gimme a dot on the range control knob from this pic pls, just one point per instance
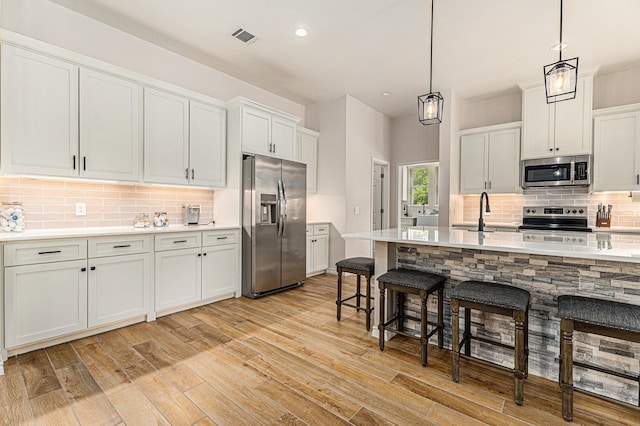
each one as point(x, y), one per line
point(574, 211)
point(580, 211)
point(528, 210)
point(533, 211)
point(568, 211)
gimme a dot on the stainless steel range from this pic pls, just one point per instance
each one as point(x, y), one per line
point(555, 218)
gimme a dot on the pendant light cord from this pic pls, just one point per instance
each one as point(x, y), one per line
point(560, 47)
point(431, 49)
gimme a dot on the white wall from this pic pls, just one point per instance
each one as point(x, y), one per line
point(410, 142)
point(367, 138)
point(614, 89)
point(486, 112)
point(450, 160)
point(54, 24)
point(329, 203)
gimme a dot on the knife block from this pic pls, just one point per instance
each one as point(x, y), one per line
point(603, 223)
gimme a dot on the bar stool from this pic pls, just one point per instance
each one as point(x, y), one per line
point(498, 299)
point(597, 316)
point(406, 281)
point(361, 266)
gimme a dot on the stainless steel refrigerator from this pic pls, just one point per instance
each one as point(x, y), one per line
point(274, 221)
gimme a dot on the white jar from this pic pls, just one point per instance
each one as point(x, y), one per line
point(12, 216)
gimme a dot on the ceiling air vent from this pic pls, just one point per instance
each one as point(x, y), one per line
point(244, 36)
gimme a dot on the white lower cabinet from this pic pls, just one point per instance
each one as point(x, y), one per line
point(317, 248)
point(44, 301)
point(178, 277)
point(119, 288)
point(207, 268)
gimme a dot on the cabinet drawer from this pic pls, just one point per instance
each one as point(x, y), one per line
point(113, 246)
point(309, 230)
point(44, 252)
point(321, 229)
point(178, 241)
point(216, 238)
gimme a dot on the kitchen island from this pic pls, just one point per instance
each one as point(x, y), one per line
point(547, 265)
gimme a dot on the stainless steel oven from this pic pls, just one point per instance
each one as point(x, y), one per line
point(557, 171)
point(554, 218)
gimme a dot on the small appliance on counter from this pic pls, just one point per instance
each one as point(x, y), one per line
point(191, 214)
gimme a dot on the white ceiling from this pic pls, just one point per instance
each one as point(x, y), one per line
point(365, 47)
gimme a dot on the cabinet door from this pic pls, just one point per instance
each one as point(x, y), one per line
point(110, 127)
point(283, 138)
point(256, 131)
point(307, 154)
point(44, 301)
point(119, 288)
point(220, 271)
point(573, 121)
point(309, 255)
point(178, 277)
point(166, 137)
point(473, 163)
point(321, 252)
point(616, 148)
point(207, 145)
point(537, 124)
point(39, 114)
point(504, 161)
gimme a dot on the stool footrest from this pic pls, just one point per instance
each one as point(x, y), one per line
point(493, 342)
point(594, 367)
point(359, 308)
point(487, 363)
point(606, 398)
point(353, 297)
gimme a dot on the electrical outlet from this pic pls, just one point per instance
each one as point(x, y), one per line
point(81, 209)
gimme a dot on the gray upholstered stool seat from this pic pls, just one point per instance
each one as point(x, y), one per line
point(361, 266)
point(412, 282)
point(598, 316)
point(498, 299)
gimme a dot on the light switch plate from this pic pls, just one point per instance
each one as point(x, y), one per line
point(356, 210)
point(81, 209)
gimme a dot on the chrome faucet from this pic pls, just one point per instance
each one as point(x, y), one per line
point(488, 210)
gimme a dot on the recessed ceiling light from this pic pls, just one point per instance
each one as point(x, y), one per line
point(301, 32)
point(385, 93)
point(559, 46)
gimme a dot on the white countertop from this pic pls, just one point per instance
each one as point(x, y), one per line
point(41, 234)
point(614, 247)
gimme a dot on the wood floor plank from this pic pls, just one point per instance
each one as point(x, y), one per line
point(88, 402)
point(365, 417)
point(218, 407)
point(14, 402)
point(62, 355)
point(240, 350)
point(104, 370)
point(130, 361)
point(179, 373)
point(171, 344)
point(220, 364)
point(53, 409)
point(172, 403)
point(299, 405)
point(448, 416)
point(38, 374)
point(133, 335)
point(135, 408)
point(288, 420)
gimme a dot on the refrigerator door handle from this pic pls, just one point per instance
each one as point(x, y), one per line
point(279, 204)
point(284, 204)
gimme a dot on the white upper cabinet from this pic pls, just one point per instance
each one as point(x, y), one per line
point(616, 151)
point(110, 127)
point(166, 137)
point(184, 141)
point(557, 129)
point(39, 114)
point(207, 145)
point(308, 154)
point(490, 160)
point(262, 130)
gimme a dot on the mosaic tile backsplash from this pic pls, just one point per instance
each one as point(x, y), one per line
point(52, 203)
point(545, 277)
point(507, 209)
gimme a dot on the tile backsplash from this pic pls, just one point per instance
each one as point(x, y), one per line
point(52, 203)
point(507, 209)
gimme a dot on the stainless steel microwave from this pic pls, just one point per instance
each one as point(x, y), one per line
point(557, 171)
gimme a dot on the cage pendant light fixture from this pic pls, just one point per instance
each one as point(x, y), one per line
point(561, 78)
point(430, 105)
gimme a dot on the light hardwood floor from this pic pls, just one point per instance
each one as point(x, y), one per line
point(282, 359)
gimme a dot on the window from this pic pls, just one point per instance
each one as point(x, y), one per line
point(419, 185)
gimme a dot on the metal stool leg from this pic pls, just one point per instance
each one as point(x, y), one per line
point(358, 292)
point(423, 327)
point(339, 299)
point(519, 357)
point(368, 320)
point(381, 322)
point(466, 338)
point(441, 318)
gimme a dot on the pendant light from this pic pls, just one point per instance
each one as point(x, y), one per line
point(430, 105)
point(561, 78)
